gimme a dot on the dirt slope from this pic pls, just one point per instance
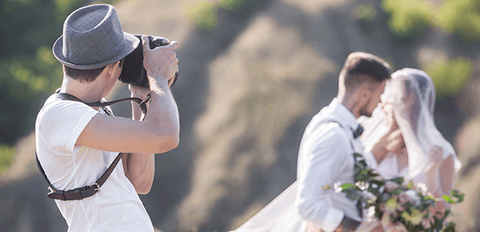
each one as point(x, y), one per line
point(247, 89)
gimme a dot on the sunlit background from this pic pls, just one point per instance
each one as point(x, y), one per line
point(252, 74)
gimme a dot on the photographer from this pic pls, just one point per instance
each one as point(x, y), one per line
point(76, 143)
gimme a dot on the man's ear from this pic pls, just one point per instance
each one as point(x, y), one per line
point(110, 69)
point(365, 93)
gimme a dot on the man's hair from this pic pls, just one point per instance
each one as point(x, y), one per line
point(86, 75)
point(360, 67)
point(83, 75)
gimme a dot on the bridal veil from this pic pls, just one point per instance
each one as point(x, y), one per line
point(412, 95)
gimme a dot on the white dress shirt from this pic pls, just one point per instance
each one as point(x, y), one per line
point(326, 158)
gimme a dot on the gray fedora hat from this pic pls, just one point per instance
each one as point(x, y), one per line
point(93, 37)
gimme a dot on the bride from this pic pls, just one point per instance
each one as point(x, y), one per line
point(421, 154)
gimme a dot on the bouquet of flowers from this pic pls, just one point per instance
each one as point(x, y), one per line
point(399, 205)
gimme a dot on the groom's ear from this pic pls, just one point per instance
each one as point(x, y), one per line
point(365, 93)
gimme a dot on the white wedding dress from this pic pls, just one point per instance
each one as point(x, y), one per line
point(432, 160)
point(279, 215)
point(412, 95)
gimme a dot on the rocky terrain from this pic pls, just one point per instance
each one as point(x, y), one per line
point(247, 89)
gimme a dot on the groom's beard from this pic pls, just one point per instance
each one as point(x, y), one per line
point(364, 111)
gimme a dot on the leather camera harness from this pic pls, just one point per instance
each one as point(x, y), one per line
point(88, 190)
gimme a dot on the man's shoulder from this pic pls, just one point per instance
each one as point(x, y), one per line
point(328, 131)
point(327, 139)
point(325, 123)
point(57, 110)
point(56, 104)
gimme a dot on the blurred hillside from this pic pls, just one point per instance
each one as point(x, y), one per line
point(252, 74)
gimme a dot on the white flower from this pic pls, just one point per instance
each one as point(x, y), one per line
point(362, 185)
point(422, 188)
point(336, 187)
point(409, 196)
point(381, 189)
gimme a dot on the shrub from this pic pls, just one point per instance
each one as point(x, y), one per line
point(449, 77)
point(232, 5)
point(238, 6)
point(204, 14)
point(408, 18)
point(6, 157)
point(461, 17)
point(365, 13)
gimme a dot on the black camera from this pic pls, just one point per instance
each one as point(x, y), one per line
point(133, 71)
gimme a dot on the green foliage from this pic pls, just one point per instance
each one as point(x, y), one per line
point(204, 14)
point(365, 13)
point(232, 5)
point(397, 202)
point(408, 18)
point(238, 6)
point(449, 77)
point(461, 17)
point(28, 29)
point(6, 157)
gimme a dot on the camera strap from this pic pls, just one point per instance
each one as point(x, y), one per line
point(88, 190)
point(103, 104)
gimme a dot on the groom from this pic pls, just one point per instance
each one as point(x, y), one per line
point(330, 139)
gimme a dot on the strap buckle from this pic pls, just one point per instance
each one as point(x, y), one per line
point(95, 186)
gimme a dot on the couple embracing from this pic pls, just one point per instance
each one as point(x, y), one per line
point(400, 138)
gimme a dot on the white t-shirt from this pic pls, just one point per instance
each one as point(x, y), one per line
point(116, 207)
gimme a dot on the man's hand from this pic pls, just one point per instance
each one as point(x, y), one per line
point(171, 81)
point(138, 91)
point(379, 228)
point(347, 225)
point(157, 133)
point(160, 62)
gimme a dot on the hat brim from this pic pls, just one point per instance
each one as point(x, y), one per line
point(130, 43)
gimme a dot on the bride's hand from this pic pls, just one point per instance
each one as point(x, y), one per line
point(396, 144)
point(391, 141)
point(394, 138)
point(387, 109)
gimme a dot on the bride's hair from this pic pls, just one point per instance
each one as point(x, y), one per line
point(360, 67)
point(419, 94)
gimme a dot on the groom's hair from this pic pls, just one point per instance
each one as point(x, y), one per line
point(361, 67)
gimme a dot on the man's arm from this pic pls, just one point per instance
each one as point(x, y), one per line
point(347, 225)
point(159, 132)
point(139, 167)
point(324, 160)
